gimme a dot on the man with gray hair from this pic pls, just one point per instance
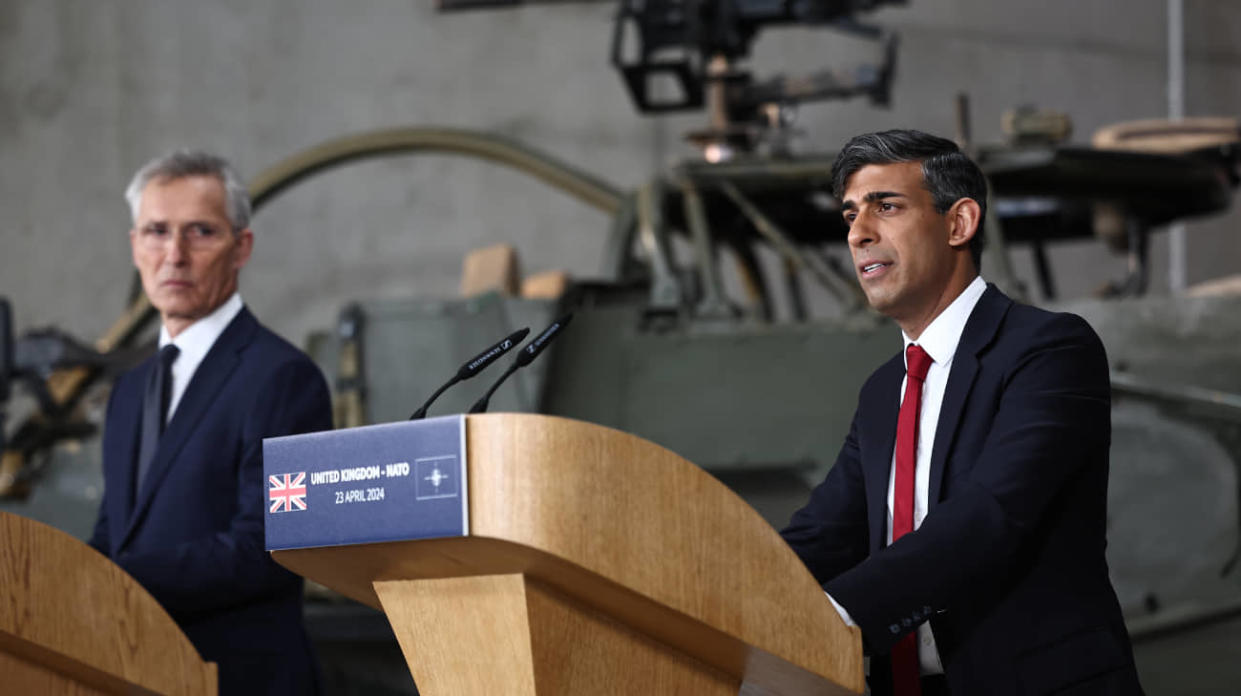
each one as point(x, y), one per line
point(183, 503)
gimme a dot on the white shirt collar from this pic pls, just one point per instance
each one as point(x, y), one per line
point(198, 337)
point(195, 342)
point(941, 336)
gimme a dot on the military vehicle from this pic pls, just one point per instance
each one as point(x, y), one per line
point(725, 325)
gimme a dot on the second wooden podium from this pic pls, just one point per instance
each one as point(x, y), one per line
point(73, 623)
point(595, 563)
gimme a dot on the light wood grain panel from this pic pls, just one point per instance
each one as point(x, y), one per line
point(463, 635)
point(628, 510)
point(70, 610)
point(504, 634)
point(578, 650)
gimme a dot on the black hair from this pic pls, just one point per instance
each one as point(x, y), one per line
point(947, 173)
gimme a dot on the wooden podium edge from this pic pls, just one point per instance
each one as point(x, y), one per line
point(60, 663)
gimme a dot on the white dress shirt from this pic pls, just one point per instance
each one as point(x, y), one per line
point(194, 343)
point(939, 340)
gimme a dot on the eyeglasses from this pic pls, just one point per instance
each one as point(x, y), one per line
point(198, 235)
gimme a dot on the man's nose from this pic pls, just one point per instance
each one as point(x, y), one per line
point(178, 246)
point(861, 233)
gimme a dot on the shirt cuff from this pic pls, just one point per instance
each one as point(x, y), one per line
point(844, 614)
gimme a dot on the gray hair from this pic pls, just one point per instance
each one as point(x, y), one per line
point(947, 173)
point(180, 164)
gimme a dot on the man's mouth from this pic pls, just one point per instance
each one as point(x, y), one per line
point(873, 268)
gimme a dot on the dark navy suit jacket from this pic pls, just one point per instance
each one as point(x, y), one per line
point(193, 535)
point(1008, 565)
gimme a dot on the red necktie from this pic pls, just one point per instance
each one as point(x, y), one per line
point(905, 653)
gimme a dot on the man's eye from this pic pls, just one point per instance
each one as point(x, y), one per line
point(886, 207)
point(202, 231)
point(155, 230)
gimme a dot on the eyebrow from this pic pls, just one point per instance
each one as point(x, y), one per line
point(871, 198)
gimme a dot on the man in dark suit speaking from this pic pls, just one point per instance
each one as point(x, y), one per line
point(962, 527)
point(184, 494)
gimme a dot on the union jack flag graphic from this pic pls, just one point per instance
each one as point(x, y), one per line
point(288, 492)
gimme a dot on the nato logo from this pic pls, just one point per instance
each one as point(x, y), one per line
point(437, 477)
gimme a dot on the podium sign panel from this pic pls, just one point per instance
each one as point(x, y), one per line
point(390, 482)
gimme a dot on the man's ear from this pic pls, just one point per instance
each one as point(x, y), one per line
point(964, 217)
point(245, 245)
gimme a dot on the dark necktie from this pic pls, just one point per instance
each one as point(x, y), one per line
point(154, 410)
point(905, 678)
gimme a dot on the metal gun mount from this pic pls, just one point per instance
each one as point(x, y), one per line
point(696, 45)
point(680, 55)
point(32, 359)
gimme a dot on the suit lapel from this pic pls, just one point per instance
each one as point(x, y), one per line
point(204, 386)
point(883, 407)
point(980, 329)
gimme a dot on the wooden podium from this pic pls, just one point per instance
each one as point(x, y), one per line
point(597, 563)
point(73, 622)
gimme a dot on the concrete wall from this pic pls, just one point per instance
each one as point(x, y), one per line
point(90, 89)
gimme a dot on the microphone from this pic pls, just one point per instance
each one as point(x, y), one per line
point(525, 357)
point(474, 366)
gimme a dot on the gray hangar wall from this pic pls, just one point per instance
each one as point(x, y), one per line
point(90, 89)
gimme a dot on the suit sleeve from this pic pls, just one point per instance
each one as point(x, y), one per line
point(829, 533)
point(100, 540)
point(233, 567)
point(1051, 424)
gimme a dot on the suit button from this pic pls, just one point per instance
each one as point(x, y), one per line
point(894, 628)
